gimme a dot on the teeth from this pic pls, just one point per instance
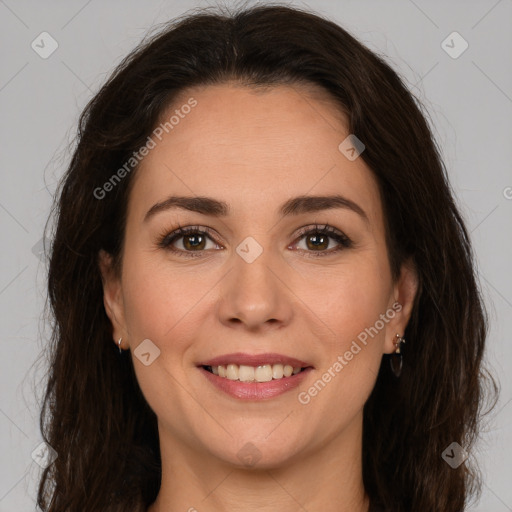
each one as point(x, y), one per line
point(263, 373)
point(245, 373)
point(232, 372)
point(277, 371)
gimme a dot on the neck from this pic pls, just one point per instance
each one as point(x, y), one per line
point(329, 478)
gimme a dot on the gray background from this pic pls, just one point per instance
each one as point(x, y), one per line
point(469, 100)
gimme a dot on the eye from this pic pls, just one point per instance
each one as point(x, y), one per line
point(192, 239)
point(317, 239)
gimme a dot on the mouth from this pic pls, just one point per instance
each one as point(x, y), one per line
point(254, 367)
point(255, 376)
point(260, 373)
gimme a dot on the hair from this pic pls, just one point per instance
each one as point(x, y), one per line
point(94, 414)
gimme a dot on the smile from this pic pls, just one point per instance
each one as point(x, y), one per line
point(260, 373)
point(254, 376)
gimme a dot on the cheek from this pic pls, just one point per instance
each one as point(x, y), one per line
point(351, 298)
point(160, 306)
point(353, 306)
point(157, 301)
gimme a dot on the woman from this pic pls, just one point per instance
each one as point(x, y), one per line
point(264, 294)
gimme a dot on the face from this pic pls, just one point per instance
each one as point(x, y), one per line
point(311, 283)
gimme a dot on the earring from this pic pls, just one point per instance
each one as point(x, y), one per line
point(396, 360)
point(119, 343)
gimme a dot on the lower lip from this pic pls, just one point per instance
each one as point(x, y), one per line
point(256, 390)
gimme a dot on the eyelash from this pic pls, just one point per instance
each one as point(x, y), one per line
point(166, 239)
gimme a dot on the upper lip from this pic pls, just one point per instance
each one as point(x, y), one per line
point(254, 360)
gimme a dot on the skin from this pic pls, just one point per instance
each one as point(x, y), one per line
point(235, 146)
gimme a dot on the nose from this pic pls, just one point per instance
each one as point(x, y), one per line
point(255, 296)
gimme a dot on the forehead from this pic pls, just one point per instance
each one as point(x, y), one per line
point(253, 148)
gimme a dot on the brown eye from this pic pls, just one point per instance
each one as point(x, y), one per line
point(317, 241)
point(195, 241)
point(187, 241)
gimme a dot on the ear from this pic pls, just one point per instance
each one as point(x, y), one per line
point(404, 294)
point(112, 295)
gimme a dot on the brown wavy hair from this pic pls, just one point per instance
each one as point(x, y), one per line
point(93, 412)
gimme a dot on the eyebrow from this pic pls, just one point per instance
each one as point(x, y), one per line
point(294, 206)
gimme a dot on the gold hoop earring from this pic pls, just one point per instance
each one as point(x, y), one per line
point(396, 360)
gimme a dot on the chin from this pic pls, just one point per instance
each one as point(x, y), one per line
point(259, 455)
